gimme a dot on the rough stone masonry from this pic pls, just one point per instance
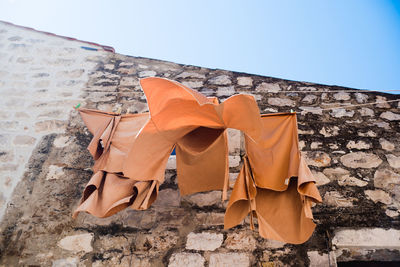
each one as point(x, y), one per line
point(44, 165)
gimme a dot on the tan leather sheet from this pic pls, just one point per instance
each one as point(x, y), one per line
point(131, 152)
point(275, 184)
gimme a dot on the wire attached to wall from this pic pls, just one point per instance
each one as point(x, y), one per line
point(351, 105)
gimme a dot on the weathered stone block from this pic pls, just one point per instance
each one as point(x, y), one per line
point(388, 115)
point(378, 196)
point(394, 161)
point(229, 260)
point(281, 102)
point(386, 145)
point(360, 160)
point(386, 179)
point(317, 158)
point(318, 259)
point(334, 198)
point(243, 240)
point(220, 80)
point(268, 87)
point(373, 238)
point(184, 259)
point(204, 241)
point(244, 81)
point(205, 199)
point(358, 145)
point(77, 243)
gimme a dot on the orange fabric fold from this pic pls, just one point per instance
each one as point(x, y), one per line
point(277, 178)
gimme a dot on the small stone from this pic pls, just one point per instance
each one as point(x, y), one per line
point(342, 96)
point(147, 73)
point(171, 163)
point(109, 66)
point(244, 81)
point(386, 145)
point(386, 179)
point(388, 115)
point(392, 213)
point(185, 259)
point(220, 80)
point(318, 259)
point(309, 99)
point(360, 160)
point(382, 124)
point(341, 112)
point(348, 180)
point(393, 160)
point(302, 145)
point(328, 132)
point(55, 172)
point(241, 241)
point(378, 196)
point(300, 131)
point(225, 91)
point(320, 178)
point(204, 241)
point(191, 84)
point(61, 141)
point(359, 145)
point(366, 112)
point(129, 81)
point(367, 134)
point(68, 262)
point(315, 145)
point(382, 102)
point(313, 110)
point(194, 75)
point(333, 146)
point(234, 161)
point(317, 158)
point(205, 199)
point(268, 88)
point(229, 260)
point(306, 88)
point(361, 98)
point(77, 243)
point(275, 101)
point(24, 140)
point(334, 198)
point(269, 243)
point(109, 242)
point(233, 140)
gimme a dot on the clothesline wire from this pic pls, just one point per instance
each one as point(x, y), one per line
point(335, 91)
point(352, 105)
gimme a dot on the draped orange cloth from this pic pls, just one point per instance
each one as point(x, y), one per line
point(275, 184)
point(131, 152)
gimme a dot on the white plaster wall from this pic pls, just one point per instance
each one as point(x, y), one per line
point(41, 78)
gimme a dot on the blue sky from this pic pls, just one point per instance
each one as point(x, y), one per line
point(354, 43)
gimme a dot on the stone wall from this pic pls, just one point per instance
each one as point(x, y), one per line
point(353, 152)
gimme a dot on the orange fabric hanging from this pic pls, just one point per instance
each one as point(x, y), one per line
point(275, 184)
point(131, 152)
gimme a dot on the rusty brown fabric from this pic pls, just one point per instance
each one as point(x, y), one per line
point(131, 152)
